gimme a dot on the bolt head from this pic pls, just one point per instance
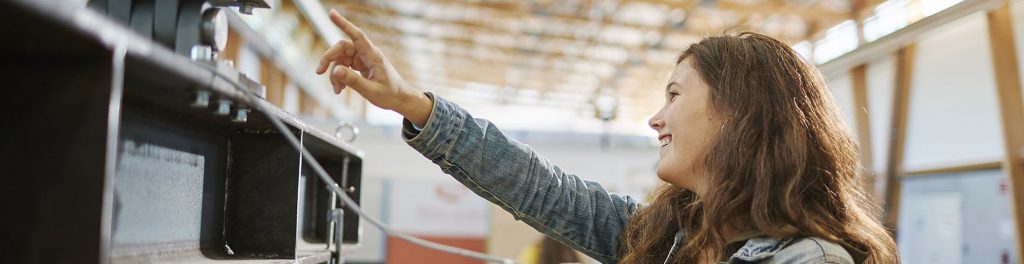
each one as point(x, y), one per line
point(201, 99)
point(245, 8)
point(223, 107)
point(241, 115)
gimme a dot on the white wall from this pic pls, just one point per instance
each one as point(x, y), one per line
point(953, 114)
point(953, 117)
point(842, 90)
point(880, 89)
point(880, 84)
point(881, 81)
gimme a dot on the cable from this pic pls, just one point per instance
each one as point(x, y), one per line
point(117, 62)
point(333, 186)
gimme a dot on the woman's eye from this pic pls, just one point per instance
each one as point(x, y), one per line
point(672, 95)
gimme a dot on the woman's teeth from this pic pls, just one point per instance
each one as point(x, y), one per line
point(666, 140)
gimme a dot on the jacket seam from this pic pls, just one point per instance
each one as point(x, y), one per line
point(454, 138)
point(824, 255)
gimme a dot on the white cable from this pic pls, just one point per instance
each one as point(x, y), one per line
point(120, 53)
point(351, 205)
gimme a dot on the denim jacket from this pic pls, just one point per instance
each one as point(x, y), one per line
point(579, 213)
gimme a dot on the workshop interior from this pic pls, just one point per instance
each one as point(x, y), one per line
point(197, 131)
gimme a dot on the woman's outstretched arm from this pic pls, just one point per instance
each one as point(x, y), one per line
point(579, 213)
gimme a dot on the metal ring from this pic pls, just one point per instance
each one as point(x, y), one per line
point(351, 127)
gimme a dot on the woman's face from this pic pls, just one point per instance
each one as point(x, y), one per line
point(684, 127)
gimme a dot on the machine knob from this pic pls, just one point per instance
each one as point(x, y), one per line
point(214, 29)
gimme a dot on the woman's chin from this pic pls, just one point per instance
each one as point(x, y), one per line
point(675, 179)
point(663, 175)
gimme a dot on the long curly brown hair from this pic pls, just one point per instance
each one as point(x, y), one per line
point(783, 164)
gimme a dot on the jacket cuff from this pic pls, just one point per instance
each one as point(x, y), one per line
point(436, 138)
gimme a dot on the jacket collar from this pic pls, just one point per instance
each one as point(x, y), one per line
point(752, 247)
point(756, 248)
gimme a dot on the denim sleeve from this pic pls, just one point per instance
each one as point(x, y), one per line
point(581, 214)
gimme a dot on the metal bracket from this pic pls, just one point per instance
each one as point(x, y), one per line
point(244, 6)
point(337, 219)
point(344, 175)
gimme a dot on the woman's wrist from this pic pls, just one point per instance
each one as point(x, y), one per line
point(417, 108)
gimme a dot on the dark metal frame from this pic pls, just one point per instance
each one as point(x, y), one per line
point(59, 63)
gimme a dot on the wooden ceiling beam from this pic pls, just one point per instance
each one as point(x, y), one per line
point(690, 8)
point(370, 23)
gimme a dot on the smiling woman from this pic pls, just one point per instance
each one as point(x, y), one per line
point(764, 154)
point(686, 106)
point(757, 163)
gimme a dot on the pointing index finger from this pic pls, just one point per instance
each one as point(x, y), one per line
point(353, 32)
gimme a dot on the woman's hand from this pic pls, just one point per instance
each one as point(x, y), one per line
point(361, 65)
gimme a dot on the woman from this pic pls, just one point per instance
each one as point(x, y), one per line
point(757, 163)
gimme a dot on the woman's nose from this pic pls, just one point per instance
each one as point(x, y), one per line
point(656, 122)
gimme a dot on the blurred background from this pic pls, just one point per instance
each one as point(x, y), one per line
point(577, 80)
point(929, 88)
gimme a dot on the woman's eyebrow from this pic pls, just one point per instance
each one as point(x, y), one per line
point(669, 85)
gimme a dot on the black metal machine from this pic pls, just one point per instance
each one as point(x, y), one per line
point(131, 142)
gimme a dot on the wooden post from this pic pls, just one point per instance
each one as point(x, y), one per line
point(274, 80)
point(863, 123)
point(307, 105)
point(235, 42)
point(1011, 109)
point(898, 134)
